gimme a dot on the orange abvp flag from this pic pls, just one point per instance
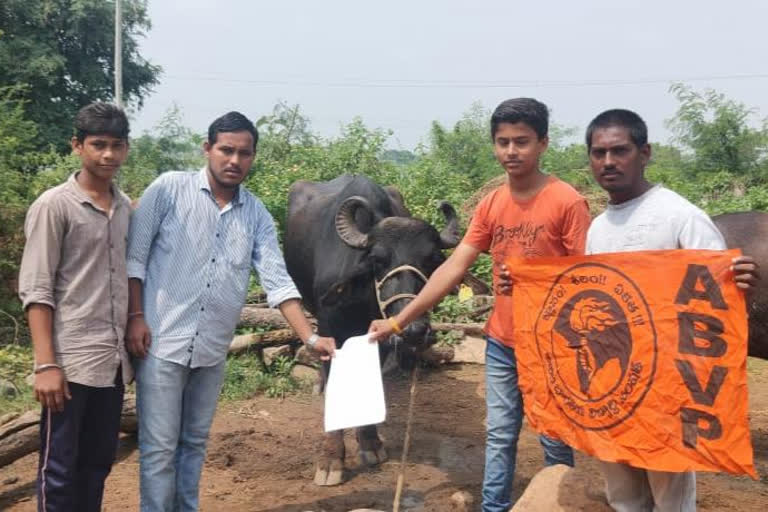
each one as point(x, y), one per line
point(636, 357)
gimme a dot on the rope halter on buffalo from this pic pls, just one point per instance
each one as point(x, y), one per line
point(383, 305)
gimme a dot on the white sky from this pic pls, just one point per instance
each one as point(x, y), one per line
point(402, 64)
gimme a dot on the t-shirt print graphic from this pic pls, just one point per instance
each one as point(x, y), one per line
point(521, 237)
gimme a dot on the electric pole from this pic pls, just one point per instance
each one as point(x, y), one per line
point(118, 53)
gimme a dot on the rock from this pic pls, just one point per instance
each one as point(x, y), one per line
point(462, 501)
point(10, 480)
point(307, 357)
point(8, 389)
point(470, 350)
point(301, 372)
point(272, 353)
point(544, 491)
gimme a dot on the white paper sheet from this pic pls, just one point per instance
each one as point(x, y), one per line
point(354, 394)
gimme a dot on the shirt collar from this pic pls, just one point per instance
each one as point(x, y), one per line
point(204, 184)
point(76, 189)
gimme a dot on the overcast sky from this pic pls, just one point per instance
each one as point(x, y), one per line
point(401, 64)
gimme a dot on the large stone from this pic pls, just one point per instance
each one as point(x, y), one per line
point(7, 389)
point(301, 372)
point(545, 490)
point(469, 350)
point(272, 353)
point(307, 357)
point(462, 501)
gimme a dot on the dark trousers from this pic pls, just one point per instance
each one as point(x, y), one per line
point(77, 449)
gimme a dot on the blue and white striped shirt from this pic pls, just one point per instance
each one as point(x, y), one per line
point(194, 260)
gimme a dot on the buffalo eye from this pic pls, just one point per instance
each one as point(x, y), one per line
point(379, 255)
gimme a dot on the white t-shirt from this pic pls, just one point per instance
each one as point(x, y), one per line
point(659, 219)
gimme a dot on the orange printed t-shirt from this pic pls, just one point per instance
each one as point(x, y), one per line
point(552, 223)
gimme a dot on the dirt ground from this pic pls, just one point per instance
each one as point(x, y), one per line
point(261, 454)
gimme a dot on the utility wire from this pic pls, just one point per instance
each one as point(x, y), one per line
point(458, 84)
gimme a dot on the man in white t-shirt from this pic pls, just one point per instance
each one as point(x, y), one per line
point(642, 216)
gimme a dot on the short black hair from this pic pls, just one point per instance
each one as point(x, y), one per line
point(522, 110)
point(100, 118)
point(638, 131)
point(232, 122)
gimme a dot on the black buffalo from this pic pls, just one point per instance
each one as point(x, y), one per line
point(356, 254)
point(748, 231)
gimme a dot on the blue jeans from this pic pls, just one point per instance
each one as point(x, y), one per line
point(175, 405)
point(505, 417)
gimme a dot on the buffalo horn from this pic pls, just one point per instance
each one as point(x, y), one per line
point(346, 226)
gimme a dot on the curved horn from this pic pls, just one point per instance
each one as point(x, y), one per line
point(449, 236)
point(346, 226)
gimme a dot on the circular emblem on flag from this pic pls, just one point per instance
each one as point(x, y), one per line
point(596, 337)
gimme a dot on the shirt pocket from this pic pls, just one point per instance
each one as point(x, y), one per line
point(238, 248)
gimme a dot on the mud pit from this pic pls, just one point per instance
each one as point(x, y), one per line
point(261, 457)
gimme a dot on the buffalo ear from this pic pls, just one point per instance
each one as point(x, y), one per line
point(449, 236)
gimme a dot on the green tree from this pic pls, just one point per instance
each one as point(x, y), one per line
point(170, 146)
point(467, 147)
point(63, 50)
point(718, 133)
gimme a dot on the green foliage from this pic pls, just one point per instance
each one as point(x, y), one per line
point(66, 51)
point(246, 376)
point(449, 338)
point(170, 146)
point(15, 364)
point(483, 268)
point(718, 133)
point(451, 310)
point(466, 149)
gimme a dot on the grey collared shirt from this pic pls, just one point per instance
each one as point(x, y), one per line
point(74, 262)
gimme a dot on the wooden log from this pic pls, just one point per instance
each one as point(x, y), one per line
point(256, 316)
point(270, 338)
point(21, 436)
point(470, 329)
point(129, 420)
point(252, 316)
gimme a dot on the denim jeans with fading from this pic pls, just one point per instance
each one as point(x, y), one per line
point(175, 405)
point(504, 404)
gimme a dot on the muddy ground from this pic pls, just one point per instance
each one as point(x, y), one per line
point(262, 450)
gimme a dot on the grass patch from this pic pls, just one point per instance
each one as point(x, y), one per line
point(451, 310)
point(247, 376)
point(449, 338)
point(16, 362)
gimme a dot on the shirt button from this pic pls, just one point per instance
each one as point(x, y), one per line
point(217, 235)
point(213, 260)
point(202, 308)
point(208, 285)
point(197, 332)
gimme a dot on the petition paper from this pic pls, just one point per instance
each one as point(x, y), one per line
point(354, 395)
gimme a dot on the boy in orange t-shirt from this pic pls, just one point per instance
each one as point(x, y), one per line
point(532, 215)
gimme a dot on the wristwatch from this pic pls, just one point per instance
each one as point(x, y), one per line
point(312, 340)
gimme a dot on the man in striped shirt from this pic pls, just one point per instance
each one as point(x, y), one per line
point(192, 242)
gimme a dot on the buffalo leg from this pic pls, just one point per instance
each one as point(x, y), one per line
point(370, 449)
point(330, 466)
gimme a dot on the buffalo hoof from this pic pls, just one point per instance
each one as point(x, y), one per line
point(372, 458)
point(329, 474)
